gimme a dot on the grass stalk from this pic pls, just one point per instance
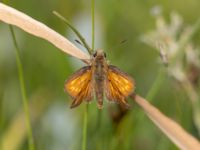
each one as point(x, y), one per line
point(85, 123)
point(84, 133)
point(153, 90)
point(93, 24)
point(23, 91)
point(156, 85)
point(90, 51)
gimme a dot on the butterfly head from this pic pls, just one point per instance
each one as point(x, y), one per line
point(99, 54)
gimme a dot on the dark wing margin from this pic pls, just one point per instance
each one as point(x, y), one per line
point(79, 86)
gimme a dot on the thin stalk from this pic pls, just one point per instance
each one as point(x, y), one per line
point(23, 91)
point(154, 89)
point(90, 51)
point(93, 23)
point(156, 85)
point(84, 133)
point(93, 41)
point(85, 123)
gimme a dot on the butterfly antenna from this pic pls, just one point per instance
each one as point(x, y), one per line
point(79, 42)
point(83, 41)
point(119, 44)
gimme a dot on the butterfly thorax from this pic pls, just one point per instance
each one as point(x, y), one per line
point(99, 73)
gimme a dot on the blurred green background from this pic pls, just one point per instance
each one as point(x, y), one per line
point(56, 126)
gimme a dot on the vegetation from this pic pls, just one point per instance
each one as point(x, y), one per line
point(161, 52)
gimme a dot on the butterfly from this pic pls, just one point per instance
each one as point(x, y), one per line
point(99, 80)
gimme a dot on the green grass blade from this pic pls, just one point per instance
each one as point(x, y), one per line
point(84, 140)
point(84, 133)
point(23, 91)
point(90, 51)
point(156, 85)
point(93, 23)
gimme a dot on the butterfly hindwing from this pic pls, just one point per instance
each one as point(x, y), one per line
point(79, 86)
point(118, 85)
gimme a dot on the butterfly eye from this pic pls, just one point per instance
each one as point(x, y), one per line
point(95, 54)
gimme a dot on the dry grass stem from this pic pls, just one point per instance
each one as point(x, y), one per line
point(170, 128)
point(14, 17)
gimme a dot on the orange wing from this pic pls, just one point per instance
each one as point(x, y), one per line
point(79, 86)
point(118, 86)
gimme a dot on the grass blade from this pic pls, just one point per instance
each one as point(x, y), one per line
point(170, 128)
point(14, 17)
point(84, 133)
point(84, 141)
point(93, 23)
point(75, 31)
point(23, 91)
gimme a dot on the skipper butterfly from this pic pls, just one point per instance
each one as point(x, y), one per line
point(99, 79)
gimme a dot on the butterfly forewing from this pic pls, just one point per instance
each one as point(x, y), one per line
point(118, 85)
point(79, 86)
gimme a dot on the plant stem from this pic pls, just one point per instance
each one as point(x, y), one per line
point(23, 91)
point(154, 89)
point(90, 51)
point(84, 134)
point(156, 85)
point(84, 140)
point(93, 24)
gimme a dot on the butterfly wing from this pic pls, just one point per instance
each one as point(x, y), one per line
point(119, 86)
point(79, 86)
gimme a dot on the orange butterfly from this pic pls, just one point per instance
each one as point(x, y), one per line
point(97, 79)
